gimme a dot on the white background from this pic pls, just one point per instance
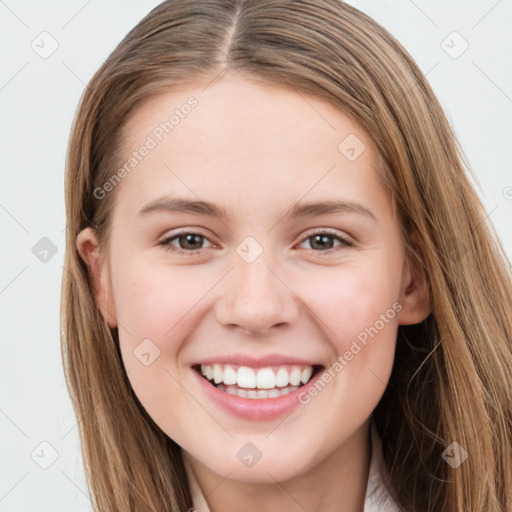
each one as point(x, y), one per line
point(37, 101)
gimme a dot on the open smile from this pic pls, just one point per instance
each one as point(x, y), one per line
point(256, 393)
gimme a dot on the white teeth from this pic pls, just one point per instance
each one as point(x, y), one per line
point(273, 393)
point(282, 378)
point(274, 379)
point(246, 378)
point(305, 375)
point(265, 379)
point(217, 373)
point(295, 377)
point(256, 394)
point(230, 376)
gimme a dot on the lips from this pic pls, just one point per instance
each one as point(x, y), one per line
point(256, 403)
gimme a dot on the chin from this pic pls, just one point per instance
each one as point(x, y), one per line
point(269, 468)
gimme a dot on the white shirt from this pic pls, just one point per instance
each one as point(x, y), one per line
point(376, 500)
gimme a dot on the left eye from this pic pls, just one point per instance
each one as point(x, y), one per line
point(323, 239)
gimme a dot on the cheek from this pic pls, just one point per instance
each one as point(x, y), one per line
point(153, 309)
point(357, 311)
point(353, 299)
point(151, 301)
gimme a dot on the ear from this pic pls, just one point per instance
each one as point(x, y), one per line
point(414, 296)
point(88, 248)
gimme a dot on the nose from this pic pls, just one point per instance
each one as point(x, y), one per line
point(257, 297)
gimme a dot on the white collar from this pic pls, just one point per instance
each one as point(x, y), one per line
point(377, 498)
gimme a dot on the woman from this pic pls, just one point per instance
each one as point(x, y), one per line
point(264, 370)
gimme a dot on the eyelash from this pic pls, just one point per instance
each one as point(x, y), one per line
point(166, 243)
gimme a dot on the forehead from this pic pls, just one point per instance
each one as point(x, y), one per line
point(242, 109)
point(245, 140)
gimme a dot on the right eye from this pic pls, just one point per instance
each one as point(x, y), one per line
point(185, 239)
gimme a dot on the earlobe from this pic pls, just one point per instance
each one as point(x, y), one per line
point(415, 297)
point(88, 247)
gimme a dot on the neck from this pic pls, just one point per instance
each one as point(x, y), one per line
point(337, 482)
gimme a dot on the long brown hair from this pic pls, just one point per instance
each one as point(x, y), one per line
point(452, 376)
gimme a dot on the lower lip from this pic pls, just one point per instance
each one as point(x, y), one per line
point(261, 409)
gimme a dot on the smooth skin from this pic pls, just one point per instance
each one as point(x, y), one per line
point(255, 150)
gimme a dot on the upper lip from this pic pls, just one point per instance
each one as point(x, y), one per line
point(257, 361)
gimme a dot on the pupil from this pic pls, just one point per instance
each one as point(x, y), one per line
point(190, 237)
point(323, 239)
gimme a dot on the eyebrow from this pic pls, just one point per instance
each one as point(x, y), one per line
point(309, 209)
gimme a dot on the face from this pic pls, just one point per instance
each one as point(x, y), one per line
point(292, 309)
